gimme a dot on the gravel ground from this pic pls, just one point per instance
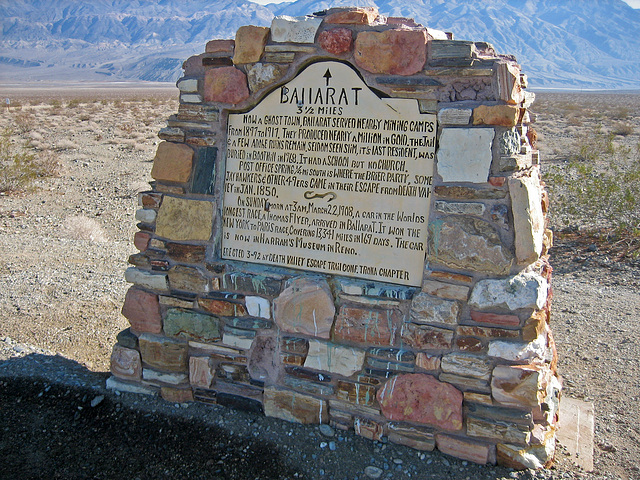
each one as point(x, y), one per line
point(63, 252)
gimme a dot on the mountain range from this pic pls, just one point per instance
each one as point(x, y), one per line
point(568, 44)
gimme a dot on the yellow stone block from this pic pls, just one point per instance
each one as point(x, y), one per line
point(173, 162)
point(183, 219)
point(250, 42)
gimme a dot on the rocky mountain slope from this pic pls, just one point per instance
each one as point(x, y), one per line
point(560, 43)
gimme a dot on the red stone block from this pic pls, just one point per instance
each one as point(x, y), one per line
point(476, 452)
point(396, 52)
point(222, 307)
point(142, 310)
point(225, 85)
point(215, 46)
point(421, 398)
point(497, 181)
point(495, 319)
point(353, 16)
point(141, 240)
point(365, 325)
point(336, 40)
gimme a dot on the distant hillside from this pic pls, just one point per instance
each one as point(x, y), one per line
point(561, 44)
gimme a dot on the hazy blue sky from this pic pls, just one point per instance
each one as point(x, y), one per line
point(633, 3)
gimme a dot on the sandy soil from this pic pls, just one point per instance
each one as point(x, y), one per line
point(64, 247)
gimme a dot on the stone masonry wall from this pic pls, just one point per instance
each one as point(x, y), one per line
point(466, 363)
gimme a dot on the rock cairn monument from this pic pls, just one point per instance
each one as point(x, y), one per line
point(347, 226)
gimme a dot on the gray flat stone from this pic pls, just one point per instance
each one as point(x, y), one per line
point(575, 431)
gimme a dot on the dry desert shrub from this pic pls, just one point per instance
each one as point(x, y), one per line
point(65, 144)
point(20, 166)
point(622, 129)
point(83, 228)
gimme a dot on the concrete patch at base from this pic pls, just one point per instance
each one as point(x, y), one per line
point(576, 431)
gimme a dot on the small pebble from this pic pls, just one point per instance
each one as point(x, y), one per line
point(97, 400)
point(326, 430)
point(373, 472)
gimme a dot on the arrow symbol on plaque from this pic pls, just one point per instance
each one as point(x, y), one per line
point(327, 75)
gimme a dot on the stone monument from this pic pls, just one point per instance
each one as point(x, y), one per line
point(347, 226)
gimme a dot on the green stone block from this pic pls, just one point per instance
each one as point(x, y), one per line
point(191, 325)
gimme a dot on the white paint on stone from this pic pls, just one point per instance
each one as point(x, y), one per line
point(518, 351)
point(295, 29)
point(258, 307)
point(528, 218)
point(525, 290)
point(465, 154)
point(188, 85)
point(454, 116)
point(146, 279)
point(146, 215)
point(325, 356)
point(191, 98)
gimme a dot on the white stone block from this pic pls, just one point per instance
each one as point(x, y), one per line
point(526, 290)
point(191, 98)
point(169, 378)
point(454, 116)
point(146, 279)
point(146, 215)
point(528, 218)
point(295, 29)
point(517, 351)
point(258, 307)
point(465, 154)
point(460, 208)
point(114, 384)
point(188, 85)
point(242, 343)
point(344, 361)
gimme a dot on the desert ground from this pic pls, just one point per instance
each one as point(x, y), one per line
point(64, 244)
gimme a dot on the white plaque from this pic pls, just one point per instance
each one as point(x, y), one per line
point(324, 175)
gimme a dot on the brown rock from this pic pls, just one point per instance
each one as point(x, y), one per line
point(294, 406)
point(468, 244)
point(305, 306)
point(182, 219)
point(187, 279)
point(448, 276)
point(357, 393)
point(126, 363)
point(225, 85)
point(142, 310)
point(173, 162)
point(336, 40)
point(181, 252)
point(355, 16)
point(163, 353)
point(396, 52)
point(263, 362)
point(201, 373)
point(419, 438)
point(483, 332)
point(466, 449)
point(421, 398)
point(534, 326)
point(215, 46)
point(141, 240)
point(428, 362)
point(509, 87)
point(426, 337)
point(149, 200)
point(503, 115)
point(176, 395)
point(495, 319)
point(366, 325)
point(469, 344)
point(222, 307)
point(519, 385)
point(368, 428)
point(249, 44)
